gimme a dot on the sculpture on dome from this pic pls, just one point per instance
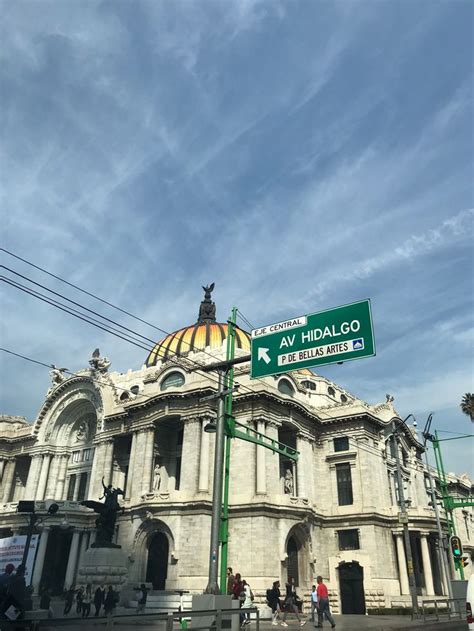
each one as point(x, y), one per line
point(105, 522)
point(98, 363)
point(207, 310)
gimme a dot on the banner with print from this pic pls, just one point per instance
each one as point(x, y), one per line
point(11, 551)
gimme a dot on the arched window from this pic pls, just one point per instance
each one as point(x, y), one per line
point(331, 391)
point(135, 390)
point(173, 380)
point(285, 387)
point(343, 398)
point(309, 385)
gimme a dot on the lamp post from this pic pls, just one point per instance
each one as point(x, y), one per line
point(213, 586)
point(404, 515)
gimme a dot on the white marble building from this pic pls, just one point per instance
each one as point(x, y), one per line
point(143, 431)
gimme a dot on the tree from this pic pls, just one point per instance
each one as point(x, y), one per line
point(467, 405)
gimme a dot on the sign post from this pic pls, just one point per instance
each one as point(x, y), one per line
point(336, 335)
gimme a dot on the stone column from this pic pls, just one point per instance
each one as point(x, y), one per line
point(272, 462)
point(261, 487)
point(60, 482)
point(43, 479)
point(84, 546)
point(302, 468)
point(2, 466)
point(148, 460)
point(425, 556)
point(203, 484)
point(33, 475)
point(131, 466)
point(8, 479)
point(95, 487)
point(402, 565)
point(53, 478)
point(108, 462)
point(39, 562)
point(72, 560)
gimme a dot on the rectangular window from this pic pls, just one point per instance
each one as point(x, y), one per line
point(341, 443)
point(86, 455)
point(344, 484)
point(76, 456)
point(348, 539)
point(70, 488)
point(178, 473)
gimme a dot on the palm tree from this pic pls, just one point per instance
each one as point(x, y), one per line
point(467, 405)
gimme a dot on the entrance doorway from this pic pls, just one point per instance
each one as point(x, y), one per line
point(157, 566)
point(292, 564)
point(351, 581)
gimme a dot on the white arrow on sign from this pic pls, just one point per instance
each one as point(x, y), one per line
point(263, 354)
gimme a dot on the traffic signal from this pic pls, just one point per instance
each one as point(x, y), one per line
point(456, 547)
point(465, 560)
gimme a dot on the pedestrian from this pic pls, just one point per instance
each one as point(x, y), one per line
point(16, 594)
point(247, 602)
point(291, 600)
point(230, 581)
point(142, 594)
point(323, 604)
point(86, 601)
point(314, 602)
point(45, 601)
point(79, 599)
point(237, 589)
point(5, 579)
point(110, 601)
point(68, 600)
point(99, 595)
point(273, 600)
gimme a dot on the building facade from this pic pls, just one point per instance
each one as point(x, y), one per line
point(334, 513)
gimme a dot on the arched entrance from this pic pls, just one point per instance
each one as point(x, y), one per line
point(157, 565)
point(351, 582)
point(292, 564)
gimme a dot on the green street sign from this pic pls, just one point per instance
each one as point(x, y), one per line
point(327, 337)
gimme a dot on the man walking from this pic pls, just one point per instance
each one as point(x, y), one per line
point(291, 603)
point(323, 604)
point(273, 600)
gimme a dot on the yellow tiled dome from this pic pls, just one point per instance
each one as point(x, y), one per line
point(195, 338)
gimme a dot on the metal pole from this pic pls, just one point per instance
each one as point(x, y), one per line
point(441, 538)
point(406, 533)
point(213, 586)
point(444, 491)
point(229, 385)
point(29, 533)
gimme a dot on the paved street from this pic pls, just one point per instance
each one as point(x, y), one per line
point(343, 623)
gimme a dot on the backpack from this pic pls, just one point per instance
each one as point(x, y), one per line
point(269, 595)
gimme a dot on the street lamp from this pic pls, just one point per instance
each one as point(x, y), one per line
point(403, 511)
point(28, 506)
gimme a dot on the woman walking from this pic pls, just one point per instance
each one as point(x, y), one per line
point(247, 603)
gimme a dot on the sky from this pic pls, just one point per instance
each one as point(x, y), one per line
point(301, 155)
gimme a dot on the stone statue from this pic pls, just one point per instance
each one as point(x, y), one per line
point(82, 432)
point(288, 484)
point(57, 375)
point(156, 478)
point(105, 523)
point(98, 363)
point(207, 310)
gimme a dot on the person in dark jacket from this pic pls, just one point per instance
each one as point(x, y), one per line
point(99, 596)
point(110, 601)
point(5, 579)
point(45, 601)
point(142, 594)
point(16, 594)
point(273, 599)
point(291, 603)
point(69, 599)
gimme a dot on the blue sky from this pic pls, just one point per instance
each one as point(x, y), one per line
point(302, 155)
